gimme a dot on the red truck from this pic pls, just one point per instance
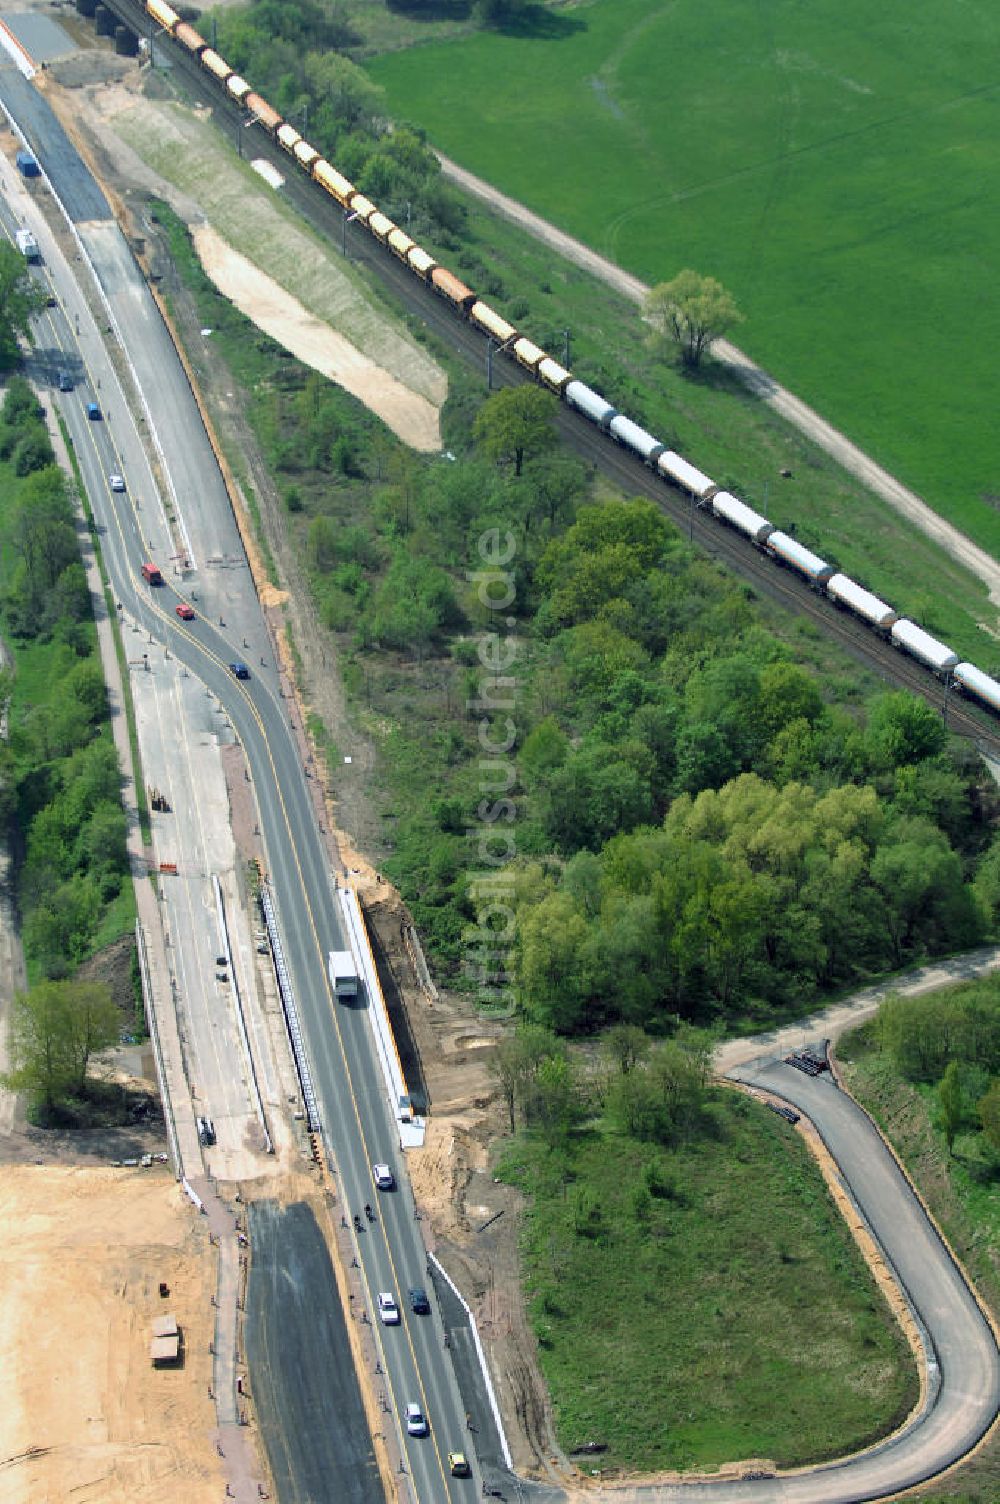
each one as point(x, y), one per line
point(151, 574)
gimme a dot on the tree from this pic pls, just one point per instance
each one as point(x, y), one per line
point(988, 1108)
point(627, 1045)
point(904, 729)
point(518, 421)
point(20, 297)
point(354, 99)
point(516, 1061)
point(55, 1029)
point(691, 311)
point(952, 1104)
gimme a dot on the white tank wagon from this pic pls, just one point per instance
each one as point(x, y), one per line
point(743, 518)
point(847, 593)
point(685, 475)
point(593, 406)
point(797, 557)
point(922, 646)
point(635, 438)
point(972, 681)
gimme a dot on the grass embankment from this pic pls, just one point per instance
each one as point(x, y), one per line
point(716, 1309)
point(824, 162)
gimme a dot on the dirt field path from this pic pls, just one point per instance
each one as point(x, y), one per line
point(830, 1023)
point(791, 408)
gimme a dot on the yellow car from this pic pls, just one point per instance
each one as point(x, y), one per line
point(459, 1464)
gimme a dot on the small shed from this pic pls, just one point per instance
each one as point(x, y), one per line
point(165, 1347)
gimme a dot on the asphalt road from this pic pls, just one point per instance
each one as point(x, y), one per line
point(357, 1126)
point(295, 1333)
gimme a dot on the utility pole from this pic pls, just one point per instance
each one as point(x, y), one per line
point(344, 223)
point(566, 348)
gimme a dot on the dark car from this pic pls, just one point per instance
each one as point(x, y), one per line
point(93, 412)
point(64, 381)
point(418, 1301)
point(240, 670)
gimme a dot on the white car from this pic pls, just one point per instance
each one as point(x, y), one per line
point(416, 1421)
point(116, 482)
point(383, 1177)
point(387, 1309)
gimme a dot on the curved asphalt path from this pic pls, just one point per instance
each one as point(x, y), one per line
point(359, 1128)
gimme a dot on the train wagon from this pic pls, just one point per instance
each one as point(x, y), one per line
point(635, 438)
point(288, 136)
point(362, 208)
point(743, 518)
point(527, 354)
point(305, 154)
point(216, 65)
point(333, 181)
point(162, 13)
point(972, 681)
point(486, 318)
point(593, 406)
point(264, 112)
point(238, 87)
point(686, 475)
point(933, 654)
point(446, 283)
point(792, 553)
point(847, 593)
point(400, 243)
point(189, 38)
point(381, 226)
point(422, 262)
point(553, 374)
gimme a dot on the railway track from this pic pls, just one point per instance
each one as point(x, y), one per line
point(862, 643)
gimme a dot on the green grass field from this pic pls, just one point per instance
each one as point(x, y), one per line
point(726, 1316)
point(832, 163)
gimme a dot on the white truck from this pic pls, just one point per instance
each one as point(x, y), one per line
point(28, 245)
point(343, 975)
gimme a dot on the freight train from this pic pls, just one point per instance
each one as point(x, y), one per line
point(730, 510)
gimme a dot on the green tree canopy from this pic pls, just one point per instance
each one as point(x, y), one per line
point(55, 1030)
point(20, 297)
point(517, 422)
point(690, 311)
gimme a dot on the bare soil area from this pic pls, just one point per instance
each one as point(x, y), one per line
point(85, 1415)
point(280, 274)
point(410, 416)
